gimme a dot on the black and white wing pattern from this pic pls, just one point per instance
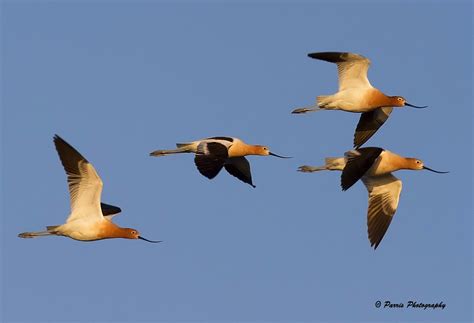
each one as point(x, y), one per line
point(384, 194)
point(85, 186)
point(352, 68)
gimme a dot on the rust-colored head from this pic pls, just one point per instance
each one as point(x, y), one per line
point(261, 150)
point(128, 233)
point(264, 151)
point(416, 164)
point(400, 101)
point(397, 101)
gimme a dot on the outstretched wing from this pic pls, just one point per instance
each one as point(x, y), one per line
point(384, 194)
point(369, 123)
point(85, 186)
point(240, 168)
point(358, 163)
point(210, 158)
point(352, 68)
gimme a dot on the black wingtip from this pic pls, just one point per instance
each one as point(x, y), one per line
point(58, 139)
point(344, 187)
point(316, 55)
point(332, 57)
point(347, 181)
point(108, 209)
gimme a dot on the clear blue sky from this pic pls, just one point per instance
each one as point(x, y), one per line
point(120, 79)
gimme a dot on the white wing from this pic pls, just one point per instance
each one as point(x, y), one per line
point(352, 68)
point(384, 194)
point(85, 186)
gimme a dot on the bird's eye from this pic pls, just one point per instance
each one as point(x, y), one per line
point(417, 161)
point(134, 232)
point(400, 99)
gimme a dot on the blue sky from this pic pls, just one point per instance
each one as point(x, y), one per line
point(120, 79)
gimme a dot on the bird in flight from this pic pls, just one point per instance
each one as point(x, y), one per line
point(356, 94)
point(89, 219)
point(213, 154)
point(374, 166)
